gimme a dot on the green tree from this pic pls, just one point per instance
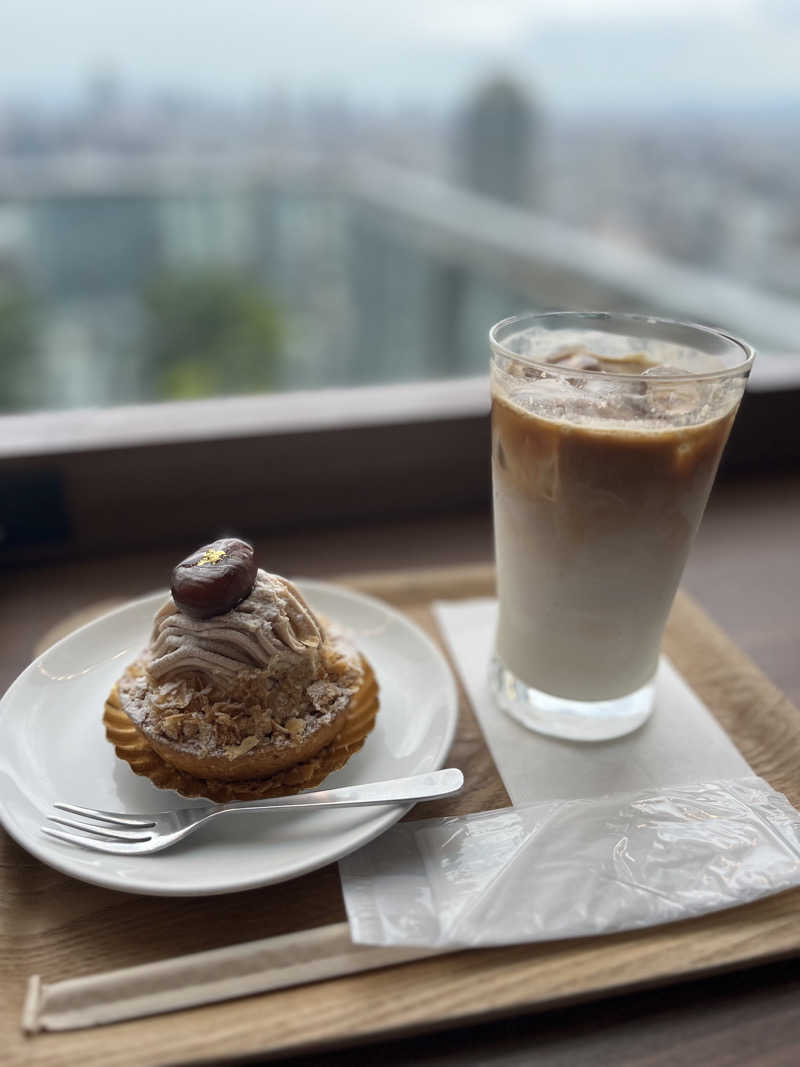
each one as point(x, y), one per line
point(17, 347)
point(208, 333)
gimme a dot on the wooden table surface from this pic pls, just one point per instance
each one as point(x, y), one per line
point(744, 570)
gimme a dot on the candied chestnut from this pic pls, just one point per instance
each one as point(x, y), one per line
point(215, 578)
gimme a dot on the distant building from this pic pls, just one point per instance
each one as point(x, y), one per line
point(94, 244)
point(496, 142)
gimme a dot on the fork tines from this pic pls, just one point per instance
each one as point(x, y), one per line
point(115, 818)
point(102, 826)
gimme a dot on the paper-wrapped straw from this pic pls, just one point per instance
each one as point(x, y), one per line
point(203, 978)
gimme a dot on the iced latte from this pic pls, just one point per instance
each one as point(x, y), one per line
point(605, 443)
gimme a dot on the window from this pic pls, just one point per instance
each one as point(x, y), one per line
point(242, 211)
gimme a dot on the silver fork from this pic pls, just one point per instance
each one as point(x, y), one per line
point(128, 833)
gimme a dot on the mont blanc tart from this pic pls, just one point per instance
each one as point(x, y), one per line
point(240, 679)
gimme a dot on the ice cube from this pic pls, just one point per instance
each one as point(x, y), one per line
point(575, 357)
point(666, 370)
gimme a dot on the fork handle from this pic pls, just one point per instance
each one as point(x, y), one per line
point(396, 790)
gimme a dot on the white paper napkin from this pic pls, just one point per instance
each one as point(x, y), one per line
point(664, 824)
point(681, 743)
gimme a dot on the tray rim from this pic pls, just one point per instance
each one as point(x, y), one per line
point(764, 931)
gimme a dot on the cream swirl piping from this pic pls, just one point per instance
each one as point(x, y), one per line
point(273, 621)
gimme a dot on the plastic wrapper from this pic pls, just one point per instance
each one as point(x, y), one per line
point(573, 868)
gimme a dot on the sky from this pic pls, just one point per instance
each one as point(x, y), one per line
point(387, 53)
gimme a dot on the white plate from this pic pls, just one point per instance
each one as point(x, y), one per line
point(53, 747)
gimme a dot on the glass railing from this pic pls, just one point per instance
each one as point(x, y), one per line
point(123, 285)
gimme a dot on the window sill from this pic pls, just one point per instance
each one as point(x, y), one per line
point(82, 482)
point(74, 483)
point(223, 418)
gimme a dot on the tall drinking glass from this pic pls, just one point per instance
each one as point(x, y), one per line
point(607, 431)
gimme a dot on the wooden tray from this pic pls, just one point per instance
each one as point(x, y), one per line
point(60, 928)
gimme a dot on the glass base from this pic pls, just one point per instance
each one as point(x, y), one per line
point(576, 720)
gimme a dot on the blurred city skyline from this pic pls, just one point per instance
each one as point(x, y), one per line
point(719, 55)
point(227, 198)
